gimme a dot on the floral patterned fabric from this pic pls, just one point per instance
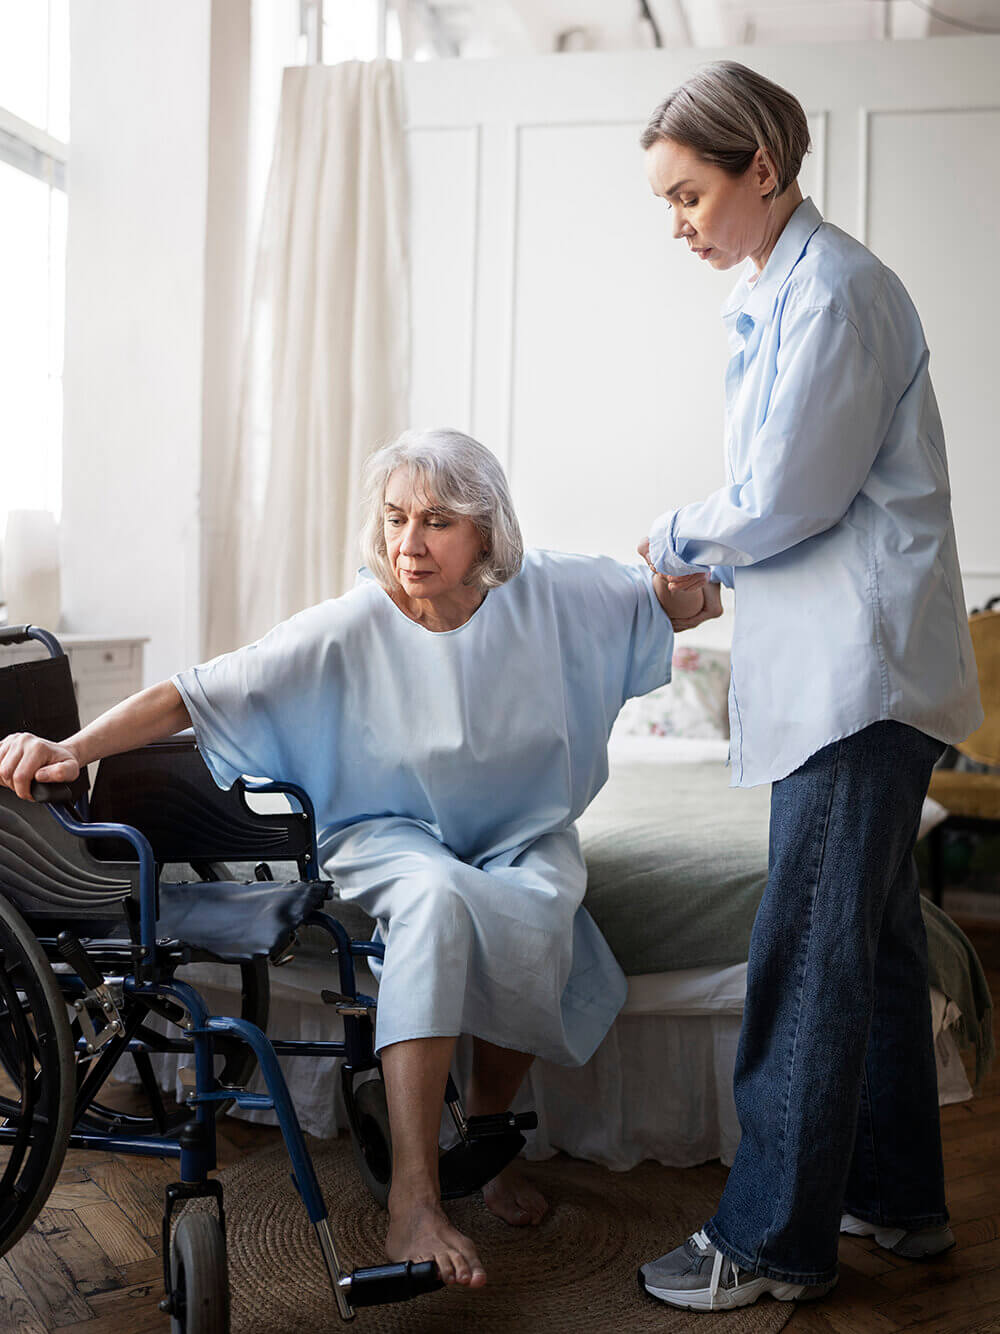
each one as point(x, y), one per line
point(694, 704)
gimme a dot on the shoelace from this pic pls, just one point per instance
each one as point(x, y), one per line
point(703, 1244)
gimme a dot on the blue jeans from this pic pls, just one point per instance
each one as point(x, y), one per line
point(836, 1085)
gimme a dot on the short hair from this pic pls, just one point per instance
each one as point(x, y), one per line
point(725, 113)
point(463, 478)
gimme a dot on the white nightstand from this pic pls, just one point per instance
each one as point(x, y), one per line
point(106, 668)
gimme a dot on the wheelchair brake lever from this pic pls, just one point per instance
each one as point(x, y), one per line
point(98, 993)
point(75, 955)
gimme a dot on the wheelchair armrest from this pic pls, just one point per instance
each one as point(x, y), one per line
point(148, 876)
point(287, 789)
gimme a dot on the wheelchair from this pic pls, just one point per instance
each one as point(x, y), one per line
point(91, 938)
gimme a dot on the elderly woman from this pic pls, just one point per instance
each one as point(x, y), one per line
point(449, 717)
point(852, 665)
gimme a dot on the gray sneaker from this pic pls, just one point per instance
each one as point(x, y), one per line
point(697, 1277)
point(922, 1244)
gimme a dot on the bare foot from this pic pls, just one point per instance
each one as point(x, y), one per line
point(420, 1230)
point(512, 1197)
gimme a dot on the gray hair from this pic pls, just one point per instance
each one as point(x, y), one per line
point(726, 113)
point(463, 478)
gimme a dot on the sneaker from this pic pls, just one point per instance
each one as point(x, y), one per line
point(919, 1245)
point(697, 1277)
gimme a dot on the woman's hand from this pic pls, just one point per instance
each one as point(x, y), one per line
point(688, 599)
point(674, 581)
point(681, 604)
point(711, 609)
point(25, 758)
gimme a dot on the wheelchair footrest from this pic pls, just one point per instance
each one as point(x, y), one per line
point(479, 1127)
point(469, 1164)
point(392, 1283)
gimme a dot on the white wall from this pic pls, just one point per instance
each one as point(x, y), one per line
point(135, 309)
point(556, 319)
point(553, 317)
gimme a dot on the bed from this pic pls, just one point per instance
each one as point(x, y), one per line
point(677, 862)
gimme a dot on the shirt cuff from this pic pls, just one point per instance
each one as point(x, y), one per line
point(661, 547)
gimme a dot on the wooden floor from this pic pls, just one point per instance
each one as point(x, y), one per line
point(91, 1264)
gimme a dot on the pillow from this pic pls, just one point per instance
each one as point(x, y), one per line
point(694, 704)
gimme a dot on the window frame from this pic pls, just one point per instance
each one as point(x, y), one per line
point(28, 148)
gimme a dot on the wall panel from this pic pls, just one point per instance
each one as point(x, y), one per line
point(444, 169)
point(933, 187)
point(597, 352)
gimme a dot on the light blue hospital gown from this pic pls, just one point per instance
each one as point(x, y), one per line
point(447, 771)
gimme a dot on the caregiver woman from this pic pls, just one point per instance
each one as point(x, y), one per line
point(852, 664)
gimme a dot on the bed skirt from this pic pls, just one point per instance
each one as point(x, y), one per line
point(659, 1086)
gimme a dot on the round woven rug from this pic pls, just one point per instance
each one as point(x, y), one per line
point(574, 1272)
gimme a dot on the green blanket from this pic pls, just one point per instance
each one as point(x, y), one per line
point(677, 863)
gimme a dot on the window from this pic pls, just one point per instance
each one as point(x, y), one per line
point(34, 129)
point(355, 31)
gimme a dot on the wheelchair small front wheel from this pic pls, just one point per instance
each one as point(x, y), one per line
point(372, 1138)
point(199, 1277)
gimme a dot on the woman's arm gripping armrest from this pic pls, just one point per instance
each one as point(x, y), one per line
point(155, 712)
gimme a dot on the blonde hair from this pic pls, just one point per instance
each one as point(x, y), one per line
point(727, 113)
point(462, 477)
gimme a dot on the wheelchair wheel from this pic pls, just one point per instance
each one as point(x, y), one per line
point(199, 1278)
point(37, 1078)
point(371, 1138)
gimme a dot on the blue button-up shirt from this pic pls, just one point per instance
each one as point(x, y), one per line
point(835, 526)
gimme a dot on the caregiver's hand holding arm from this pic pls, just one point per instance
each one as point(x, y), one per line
point(687, 599)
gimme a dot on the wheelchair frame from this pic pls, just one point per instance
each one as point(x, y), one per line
point(108, 973)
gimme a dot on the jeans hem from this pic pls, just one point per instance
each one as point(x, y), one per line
point(765, 1270)
point(910, 1224)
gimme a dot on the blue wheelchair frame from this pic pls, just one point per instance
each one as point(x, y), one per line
point(195, 1145)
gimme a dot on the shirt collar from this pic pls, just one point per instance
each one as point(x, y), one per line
point(758, 299)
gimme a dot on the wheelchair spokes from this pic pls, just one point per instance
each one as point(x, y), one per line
point(36, 1076)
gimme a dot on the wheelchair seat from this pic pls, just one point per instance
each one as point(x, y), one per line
point(235, 921)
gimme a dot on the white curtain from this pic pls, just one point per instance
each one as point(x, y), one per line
point(326, 366)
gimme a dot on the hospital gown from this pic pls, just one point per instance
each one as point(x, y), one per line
point(447, 771)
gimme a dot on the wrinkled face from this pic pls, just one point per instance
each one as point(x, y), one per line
point(430, 550)
point(723, 219)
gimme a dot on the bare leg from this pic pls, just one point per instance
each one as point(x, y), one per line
point(497, 1074)
point(415, 1074)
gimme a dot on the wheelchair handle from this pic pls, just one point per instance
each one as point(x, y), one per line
point(392, 1283)
point(51, 793)
point(14, 634)
point(20, 634)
